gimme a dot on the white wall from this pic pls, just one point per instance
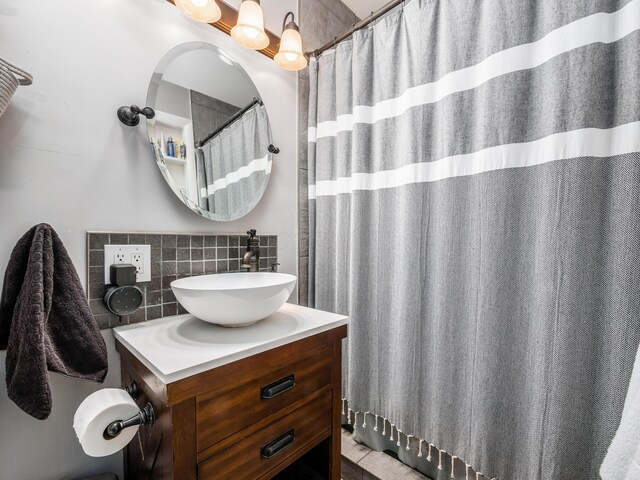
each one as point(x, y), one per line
point(66, 160)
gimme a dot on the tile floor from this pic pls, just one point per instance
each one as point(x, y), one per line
point(361, 463)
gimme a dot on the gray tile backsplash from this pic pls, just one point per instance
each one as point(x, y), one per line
point(173, 256)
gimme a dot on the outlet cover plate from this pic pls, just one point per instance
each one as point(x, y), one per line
point(122, 254)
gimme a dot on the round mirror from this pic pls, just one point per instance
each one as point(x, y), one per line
point(211, 136)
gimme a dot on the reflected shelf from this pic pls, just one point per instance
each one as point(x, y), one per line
point(174, 160)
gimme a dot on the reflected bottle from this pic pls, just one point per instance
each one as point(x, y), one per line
point(171, 151)
point(183, 151)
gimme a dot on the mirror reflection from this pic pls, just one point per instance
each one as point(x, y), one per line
point(211, 132)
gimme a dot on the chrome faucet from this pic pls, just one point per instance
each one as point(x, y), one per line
point(251, 258)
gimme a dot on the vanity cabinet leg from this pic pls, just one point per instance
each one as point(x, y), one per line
point(336, 453)
point(183, 417)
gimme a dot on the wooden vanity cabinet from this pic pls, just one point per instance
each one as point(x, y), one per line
point(246, 420)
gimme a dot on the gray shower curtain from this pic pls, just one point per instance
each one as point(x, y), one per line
point(232, 167)
point(474, 195)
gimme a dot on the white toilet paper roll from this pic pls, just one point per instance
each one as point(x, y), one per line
point(95, 413)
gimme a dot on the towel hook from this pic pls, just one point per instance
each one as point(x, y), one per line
point(146, 416)
point(130, 116)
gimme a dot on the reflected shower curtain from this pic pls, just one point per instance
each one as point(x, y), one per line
point(474, 195)
point(231, 167)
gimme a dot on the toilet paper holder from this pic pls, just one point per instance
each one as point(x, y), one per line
point(146, 416)
point(132, 389)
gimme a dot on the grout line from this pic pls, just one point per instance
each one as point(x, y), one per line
point(365, 456)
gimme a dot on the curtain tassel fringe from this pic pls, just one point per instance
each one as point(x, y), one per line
point(352, 419)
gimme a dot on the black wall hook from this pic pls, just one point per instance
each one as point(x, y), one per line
point(130, 116)
point(273, 149)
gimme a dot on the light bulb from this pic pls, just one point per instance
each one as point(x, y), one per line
point(199, 3)
point(291, 56)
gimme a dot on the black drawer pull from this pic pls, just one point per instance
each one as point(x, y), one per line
point(277, 445)
point(276, 388)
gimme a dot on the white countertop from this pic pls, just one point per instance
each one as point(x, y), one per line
point(178, 347)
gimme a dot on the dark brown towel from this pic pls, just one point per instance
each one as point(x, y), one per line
point(45, 322)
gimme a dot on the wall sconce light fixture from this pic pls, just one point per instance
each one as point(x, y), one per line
point(206, 11)
point(249, 31)
point(290, 55)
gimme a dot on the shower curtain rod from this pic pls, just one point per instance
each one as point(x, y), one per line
point(358, 26)
point(235, 117)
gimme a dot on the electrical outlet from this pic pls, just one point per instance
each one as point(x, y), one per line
point(137, 260)
point(137, 255)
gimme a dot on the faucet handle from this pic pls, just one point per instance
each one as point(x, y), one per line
point(274, 267)
point(252, 232)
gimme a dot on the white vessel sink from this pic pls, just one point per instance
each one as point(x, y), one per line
point(234, 299)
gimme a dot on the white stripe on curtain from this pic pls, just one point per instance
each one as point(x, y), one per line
point(258, 165)
point(597, 28)
point(587, 142)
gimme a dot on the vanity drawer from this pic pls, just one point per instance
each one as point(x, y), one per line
point(234, 406)
point(256, 454)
